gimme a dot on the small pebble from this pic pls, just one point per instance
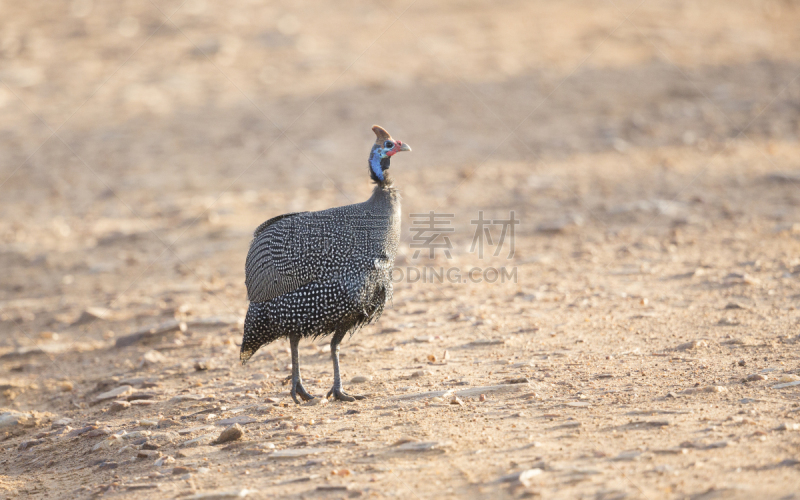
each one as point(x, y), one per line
point(164, 461)
point(114, 393)
point(232, 433)
point(148, 454)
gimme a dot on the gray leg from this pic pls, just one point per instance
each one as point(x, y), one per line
point(336, 390)
point(297, 382)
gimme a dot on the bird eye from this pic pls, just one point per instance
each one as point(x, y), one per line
point(388, 144)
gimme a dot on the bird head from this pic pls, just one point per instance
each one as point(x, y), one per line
point(384, 148)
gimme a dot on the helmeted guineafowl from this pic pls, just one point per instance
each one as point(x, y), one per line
point(310, 274)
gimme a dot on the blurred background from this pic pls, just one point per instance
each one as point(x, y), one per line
point(141, 142)
point(648, 148)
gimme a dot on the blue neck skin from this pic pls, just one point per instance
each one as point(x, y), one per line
point(378, 162)
point(375, 164)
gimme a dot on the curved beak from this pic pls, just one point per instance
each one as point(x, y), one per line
point(405, 147)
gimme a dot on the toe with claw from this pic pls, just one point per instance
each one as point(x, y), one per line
point(343, 396)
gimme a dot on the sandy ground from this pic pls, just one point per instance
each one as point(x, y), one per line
point(647, 347)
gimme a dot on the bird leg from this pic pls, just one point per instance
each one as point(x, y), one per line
point(297, 382)
point(336, 390)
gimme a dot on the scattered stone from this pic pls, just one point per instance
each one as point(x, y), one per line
point(167, 422)
point(206, 439)
point(107, 444)
point(360, 379)
point(65, 386)
point(522, 380)
point(710, 388)
point(148, 422)
point(148, 454)
point(221, 495)
point(741, 362)
point(644, 424)
point(672, 451)
point(62, 422)
point(465, 393)
point(485, 342)
point(424, 446)
point(316, 402)
point(29, 444)
point(560, 225)
point(50, 348)
point(455, 400)
point(579, 404)
point(628, 456)
point(334, 487)
point(787, 384)
point(142, 486)
point(122, 390)
point(147, 333)
point(152, 357)
point(118, 406)
point(756, 377)
point(186, 397)
point(734, 305)
point(203, 365)
point(92, 314)
point(694, 344)
point(232, 433)
point(78, 432)
point(525, 478)
point(15, 418)
point(182, 470)
point(241, 420)
point(139, 396)
point(298, 452)
point(482, 398)
point(788, 377)
point(198, 451)
point(150, 446)
point(423, 339)
point(421, 373)
point(788, 426)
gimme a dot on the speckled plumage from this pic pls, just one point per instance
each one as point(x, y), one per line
point(310, 274)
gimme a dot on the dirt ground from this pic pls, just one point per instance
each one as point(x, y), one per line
point(644, 344)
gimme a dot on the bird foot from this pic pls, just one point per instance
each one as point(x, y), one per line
point(343, 396)
point(301, 391)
